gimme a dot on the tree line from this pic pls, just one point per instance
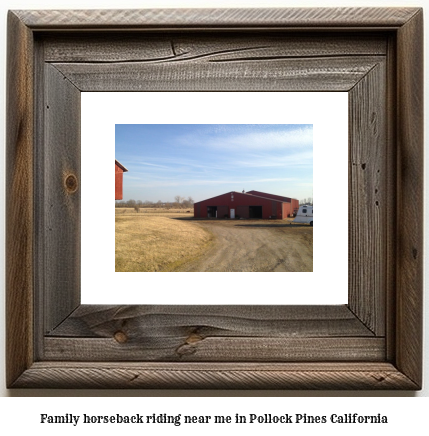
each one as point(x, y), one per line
point(308, 201)
point(179, 202)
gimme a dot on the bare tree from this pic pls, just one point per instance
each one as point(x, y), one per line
point(179, 200)
point(308, 201)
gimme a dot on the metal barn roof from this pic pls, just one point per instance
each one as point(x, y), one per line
point(241, 193)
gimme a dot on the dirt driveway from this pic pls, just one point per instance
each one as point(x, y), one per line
point(256, 245)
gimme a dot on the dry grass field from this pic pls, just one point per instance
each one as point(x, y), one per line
point(157, 239)
point(170, 240)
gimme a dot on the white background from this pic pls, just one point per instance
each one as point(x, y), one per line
point(21, 413)
point(327, 111)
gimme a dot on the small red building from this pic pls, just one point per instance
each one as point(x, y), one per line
point(119, 175)
point(244, 205)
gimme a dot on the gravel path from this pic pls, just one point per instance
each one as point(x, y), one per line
point(255, 245)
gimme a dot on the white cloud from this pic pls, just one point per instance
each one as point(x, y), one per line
point(211, 182)
point(276, 139)
point(286, 161)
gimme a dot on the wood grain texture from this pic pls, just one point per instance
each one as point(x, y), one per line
point(178, 47)
point(391, 192)
point(99, 321)
point(19, 199)
point(39, 153)
point(409, 263)
point(368, 200)
point(196, 18)
point(213, 333)
point(178, 347)
point(301, 74)
point(215, 376)
point(61, 185)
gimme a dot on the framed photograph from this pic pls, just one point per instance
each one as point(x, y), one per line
point(56, 340)
point(239, 140)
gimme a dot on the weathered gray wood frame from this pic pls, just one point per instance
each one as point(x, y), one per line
point(374, 342)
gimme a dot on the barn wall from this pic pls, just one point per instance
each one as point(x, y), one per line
point(222, 211)
point(119, 175)
point(242, 211)
point(294, 205)
point(279, 214)
point(239, 203)
point(288, 210)
point(197, 208)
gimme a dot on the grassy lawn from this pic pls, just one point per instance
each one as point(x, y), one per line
point(156, 240)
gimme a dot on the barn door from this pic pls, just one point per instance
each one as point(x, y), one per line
point(232, 213)
point(222, 211)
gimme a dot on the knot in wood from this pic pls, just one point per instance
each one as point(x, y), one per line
point(193, 337)
point(120, 337)
point(71, 183)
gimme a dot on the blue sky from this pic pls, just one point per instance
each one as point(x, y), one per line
point(205, 160)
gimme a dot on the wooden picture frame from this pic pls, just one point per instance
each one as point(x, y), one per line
point(373, 342)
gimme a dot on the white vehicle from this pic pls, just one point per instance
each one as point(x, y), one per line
point(304, 215)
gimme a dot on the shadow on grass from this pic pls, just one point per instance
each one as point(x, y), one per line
point(289, 225)
point(242, 223)
point(182, 218)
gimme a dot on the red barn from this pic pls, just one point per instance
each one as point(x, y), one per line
point(294, 204)
point(244, 205)
point(119, 175)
